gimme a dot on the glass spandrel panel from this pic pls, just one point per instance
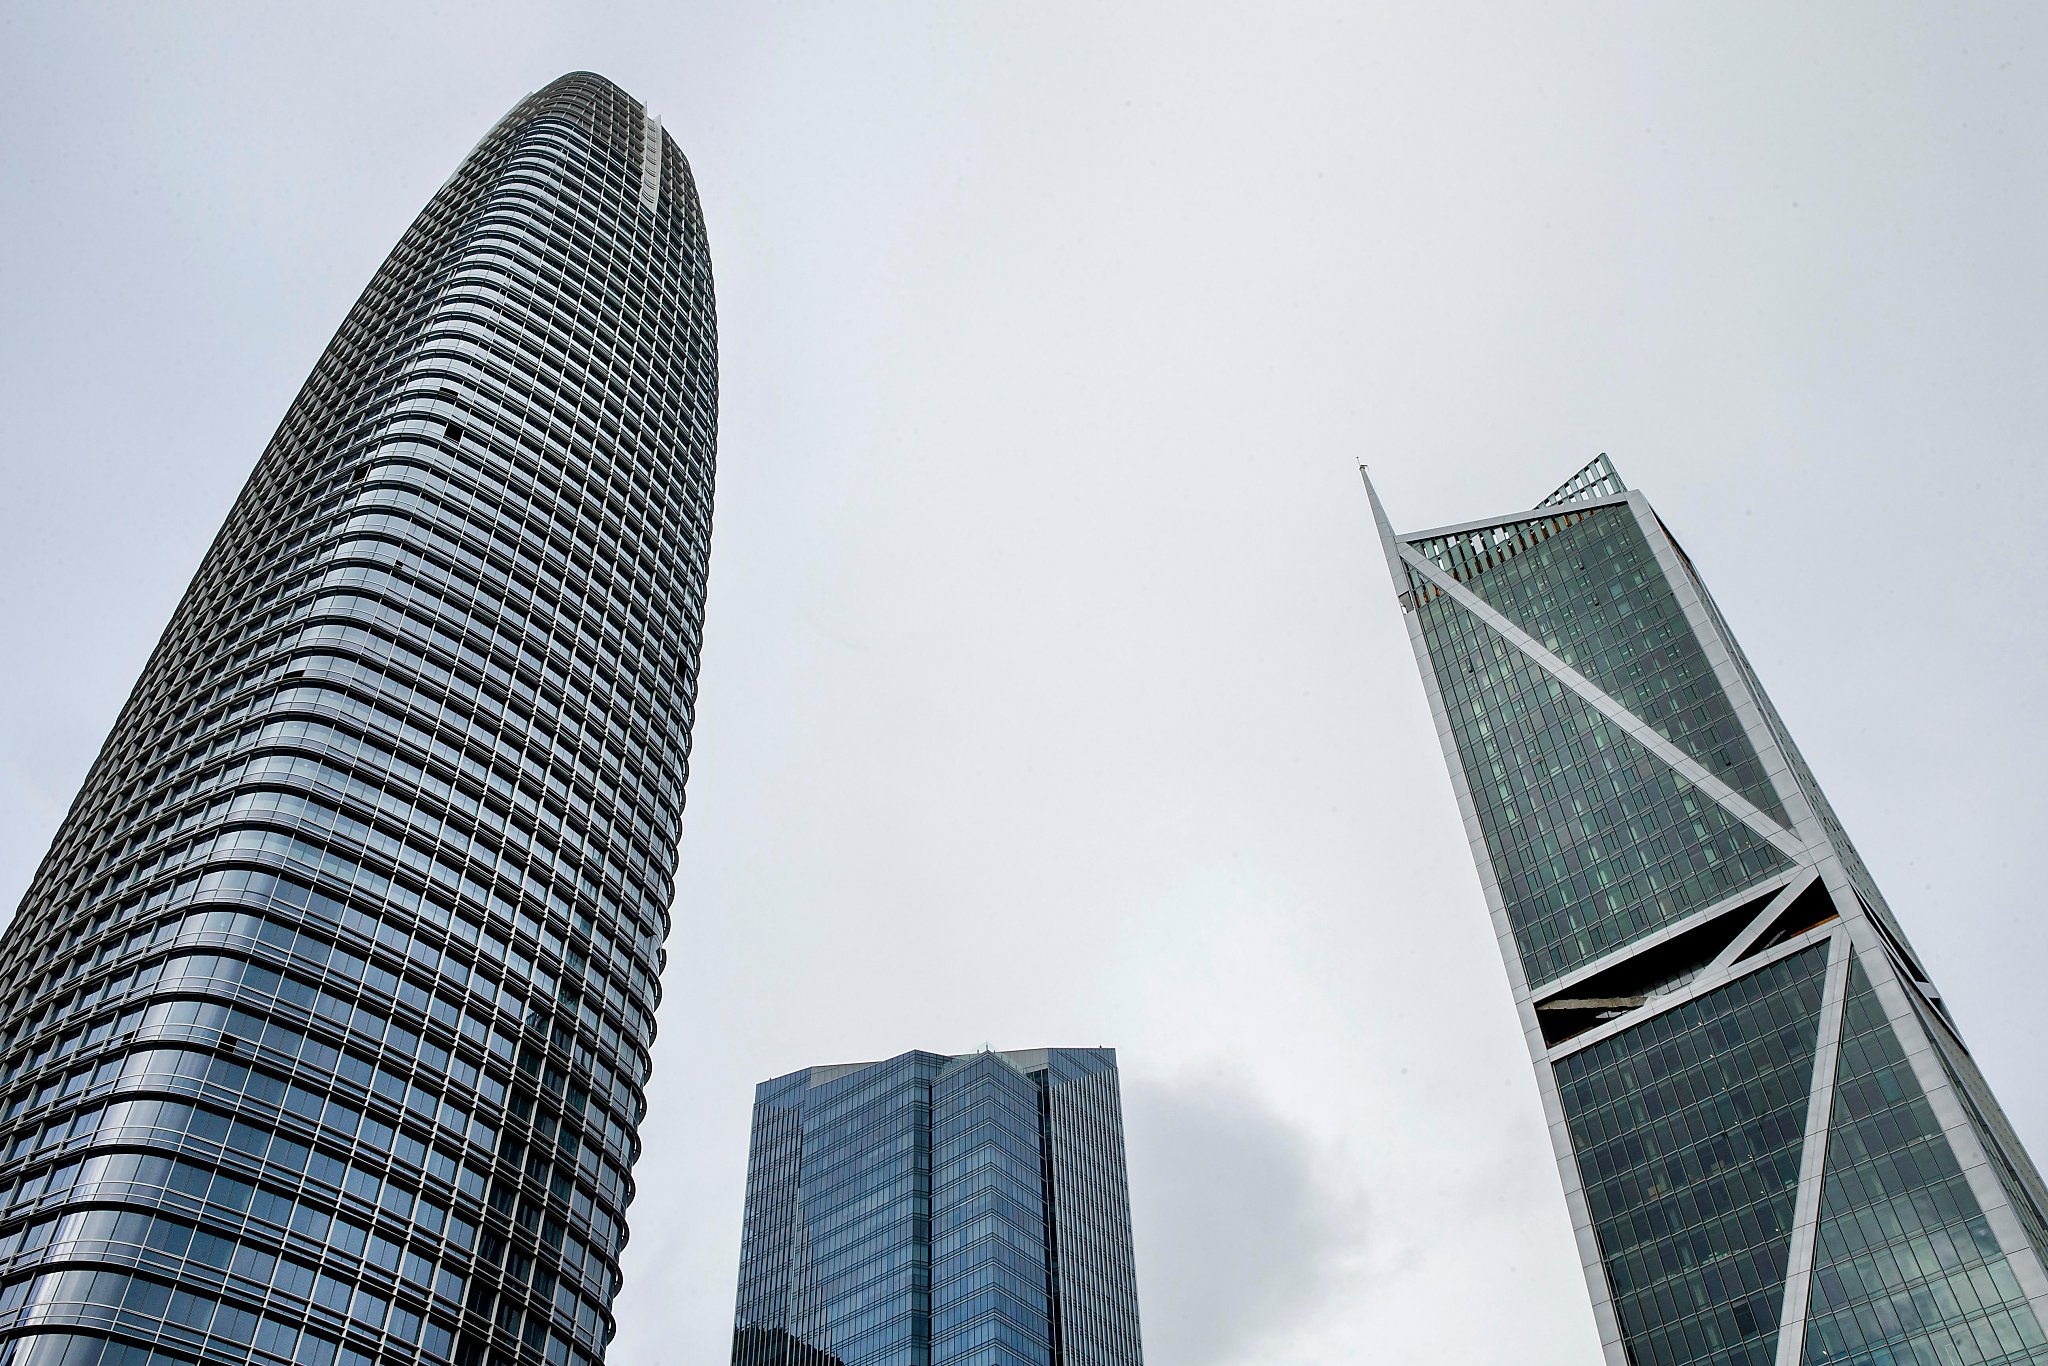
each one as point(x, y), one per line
point(1588, 586)
point(1906, 1269)
point(1687, 1130)
point(1595, 842)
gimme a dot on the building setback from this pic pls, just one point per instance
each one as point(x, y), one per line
point(940, 1211)
point(324, 1023)
point(1774, 1144)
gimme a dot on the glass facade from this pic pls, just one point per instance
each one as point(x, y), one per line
point(1688, 1132)
point(1905, 1267)
point(324, 1023)
point(940, 1211)
point(1770, 1129)
point(1595, 842)
point(1586, 585)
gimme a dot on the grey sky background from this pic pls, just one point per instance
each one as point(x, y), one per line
point(1053, 689)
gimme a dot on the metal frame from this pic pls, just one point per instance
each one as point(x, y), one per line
point(1806, 841)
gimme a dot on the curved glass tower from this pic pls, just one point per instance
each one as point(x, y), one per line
point(1776, 1148)
point(324, 1023)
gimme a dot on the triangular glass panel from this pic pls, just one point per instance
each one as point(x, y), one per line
point(1592, 592)
point(1688, 1130)
point(1905, 1267)
point(1595, 842)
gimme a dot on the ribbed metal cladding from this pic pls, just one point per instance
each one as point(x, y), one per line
point(324, 1023)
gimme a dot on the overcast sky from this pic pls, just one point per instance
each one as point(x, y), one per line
point(1053, 688)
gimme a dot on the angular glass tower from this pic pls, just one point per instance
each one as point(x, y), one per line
point(940, 1211)
point(1774, 1144)
point(324, 1023)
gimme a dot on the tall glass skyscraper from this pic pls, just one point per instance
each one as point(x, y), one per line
point(324, 1023)
point(940, 1211)
point(1774, 1143)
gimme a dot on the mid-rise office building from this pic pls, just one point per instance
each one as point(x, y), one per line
point(940, 1211)
point(1774, 1143)
point(324, 1023)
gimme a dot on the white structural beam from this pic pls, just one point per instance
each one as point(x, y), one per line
point(1627, 721)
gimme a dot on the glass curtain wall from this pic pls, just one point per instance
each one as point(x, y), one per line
point(940, 1211)
point(325, 1021)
